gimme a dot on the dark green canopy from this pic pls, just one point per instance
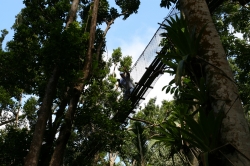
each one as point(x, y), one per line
point(213, 4)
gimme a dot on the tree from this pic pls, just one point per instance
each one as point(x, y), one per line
point(138, 146)
point(63, 66)
point(210, 59)
point(44, 112)
point(65, 131)
point(219, 79)
point(55, 62)
point(4, 33)
point(14, 143)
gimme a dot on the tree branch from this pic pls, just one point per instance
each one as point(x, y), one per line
point(141, 120)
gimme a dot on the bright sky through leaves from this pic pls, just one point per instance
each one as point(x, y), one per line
point(132, 35)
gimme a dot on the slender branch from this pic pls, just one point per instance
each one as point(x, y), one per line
point(19, 108)
point(8, 121)
point(141, 120)
point(12, 120)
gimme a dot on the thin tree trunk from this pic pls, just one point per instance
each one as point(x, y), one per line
point(47, 148)
point(112, 157)
point(44, 111)
point(79, 88)
point(43, 115)
point(65, 130)
point(72, 12)
point(96, 159)
point(219, 79)
point(19, 107)
point(103, 37)
point(140, 147)
point(134, 162)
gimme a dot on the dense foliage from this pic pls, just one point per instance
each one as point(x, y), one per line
point(48, 47)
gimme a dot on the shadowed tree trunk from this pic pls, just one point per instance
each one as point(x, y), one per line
point(219, 79)
point(47, 150)
point(44, 111)
point(140, 148)
point(65, 130)
point(43, 115)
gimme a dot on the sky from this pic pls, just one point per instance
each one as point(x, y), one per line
point(132, 35)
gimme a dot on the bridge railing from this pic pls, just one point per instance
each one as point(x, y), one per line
point(149, 54)
point(143, 71)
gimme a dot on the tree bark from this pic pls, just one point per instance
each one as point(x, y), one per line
point(72, 12)
point(19, 107)
point(134, 162)
point(47, 150)
point(65, 130)
point(219, 79)
point(140, 147)
point(43, 115)
point(112, 157)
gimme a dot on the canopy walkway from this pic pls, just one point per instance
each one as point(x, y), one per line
point(148, 68)
point(146, 71)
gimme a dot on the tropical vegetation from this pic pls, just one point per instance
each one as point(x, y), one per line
point(71, 115)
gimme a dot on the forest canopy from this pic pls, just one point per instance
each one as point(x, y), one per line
point(75, 112)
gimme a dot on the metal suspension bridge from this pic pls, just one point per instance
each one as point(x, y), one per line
point(146, 70)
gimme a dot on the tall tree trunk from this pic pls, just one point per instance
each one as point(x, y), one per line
point(140, 147)
point(112, 157)
point(65, 130)
point(47, 150)
point(43, 115)
point(44, 111)
point(72, 12)
point(219, 79)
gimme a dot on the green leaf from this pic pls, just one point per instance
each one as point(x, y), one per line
point(172, 90)
point(179, 72)
point(164, 87)
point(171, 82)
point(168, 89)
point(152, 142)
